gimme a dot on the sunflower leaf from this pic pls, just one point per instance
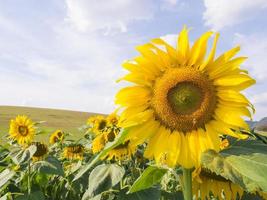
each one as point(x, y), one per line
point(151, 176)
point(5, 176)
point(103, 178)
point(152, 193)
point(244, 163)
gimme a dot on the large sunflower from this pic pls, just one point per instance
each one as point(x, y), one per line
point(182, 99)
point(22, 129)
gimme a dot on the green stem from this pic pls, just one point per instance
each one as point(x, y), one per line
point(29, 177)
point(187, 182)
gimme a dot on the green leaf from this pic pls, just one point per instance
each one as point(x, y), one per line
point(151, 176)
point(36, 195)
point(103, 178)
point(22, 156)
point(5, 176)
point(148, 194)
point(5, 197)
point(50, 165)
point(244, 163)
point(120, 139)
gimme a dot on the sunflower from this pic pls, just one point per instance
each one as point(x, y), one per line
point(74, 152)
point(123, 151)
point(98, 124)
point(106, 136)
point(98, 143)
point(181, 101)
point(41, 151)
point(22, 129)
point(112, 119)
point(210, 183)
point(57, 136)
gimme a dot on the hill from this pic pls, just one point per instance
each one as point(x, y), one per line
point(66, 120)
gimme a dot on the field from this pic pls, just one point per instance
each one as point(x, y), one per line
point(65, 120)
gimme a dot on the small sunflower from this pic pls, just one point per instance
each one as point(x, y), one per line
point(112, 119)
point(210, 183)
point(98, 124)
point(57, 136)
point(22, 129)
point(74, 152)
point(41, 151)
point(122, 152)
point(98, 143)
point(224, 143)
point(181, 100)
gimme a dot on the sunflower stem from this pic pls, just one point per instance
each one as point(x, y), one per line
point(187, 182)
point(29, 177)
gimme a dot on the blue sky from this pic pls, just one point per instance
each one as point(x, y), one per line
point(68, 53)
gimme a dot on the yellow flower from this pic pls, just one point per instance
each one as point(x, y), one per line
point(98, 143)
point(57, 136)
point(41, 151)
point(112, 119)
point(98, 124)
point(74, 152)
point(22, 129)
point(217, 185)
point(224, 143)
point(122, 152)
point(182, 99)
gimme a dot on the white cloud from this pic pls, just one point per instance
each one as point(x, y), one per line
point(255, 47)
point(222, 13)
point(111, 15)
point(63, 68)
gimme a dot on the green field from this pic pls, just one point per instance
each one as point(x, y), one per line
point(65, 120)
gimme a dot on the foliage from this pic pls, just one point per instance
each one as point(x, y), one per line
point(92, 177)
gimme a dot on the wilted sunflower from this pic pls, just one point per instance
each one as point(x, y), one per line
point(22, 129)
point(41, 151)
point(182, 100)
point(74, 152)
point(57, 136)
point(123, 151)
point(98, 124)
point(210, 183)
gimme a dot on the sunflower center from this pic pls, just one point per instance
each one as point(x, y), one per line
point(184, 99)
point(23, 130)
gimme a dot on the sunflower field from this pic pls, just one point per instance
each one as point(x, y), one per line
point(178, 133)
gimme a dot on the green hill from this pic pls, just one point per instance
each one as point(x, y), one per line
point(68, 121)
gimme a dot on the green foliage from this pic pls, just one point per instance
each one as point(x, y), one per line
point(244, 163)
point(120, 139)
point(147, 194)
point(5, 176)
point(103, 178)
point(151, 176)
point(50, 165)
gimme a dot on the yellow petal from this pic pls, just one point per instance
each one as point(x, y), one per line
point(183, 43)
point(198, 50)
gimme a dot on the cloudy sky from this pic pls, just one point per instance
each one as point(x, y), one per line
point(68, 53)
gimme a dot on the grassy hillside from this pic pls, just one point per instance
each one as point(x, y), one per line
point(54, 119)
